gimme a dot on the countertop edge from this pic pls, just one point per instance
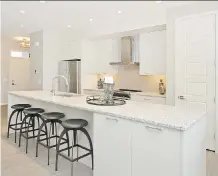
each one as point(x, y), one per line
point(150, 122)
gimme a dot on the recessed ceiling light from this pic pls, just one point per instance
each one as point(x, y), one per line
point(119, 11)
point(21, 25)
point(158, 2)
point(43, 2)
point(69, 26)
point(90, 19)
point(22, 11)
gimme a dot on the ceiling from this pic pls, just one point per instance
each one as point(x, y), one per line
point(77, 14)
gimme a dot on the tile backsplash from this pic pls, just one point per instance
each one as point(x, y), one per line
point(128, 77)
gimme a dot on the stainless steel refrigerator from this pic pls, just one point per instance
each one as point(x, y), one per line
point(71, 69)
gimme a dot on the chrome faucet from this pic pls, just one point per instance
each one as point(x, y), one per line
point(53, 83)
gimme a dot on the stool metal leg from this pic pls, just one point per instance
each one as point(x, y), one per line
point(15, 138)
point(21, 127)
point(58, 147)
point(68, 142)
point(9, 121)
point(75, 142)
point(90, 143)
point(21, 116)
point(33, 124)
point(49, 136)
point(72, 154)
point(27, 132)
point(44, 124)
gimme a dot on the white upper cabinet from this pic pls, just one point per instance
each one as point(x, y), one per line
point(71, 50)
point(152, 53)
point(104, 52)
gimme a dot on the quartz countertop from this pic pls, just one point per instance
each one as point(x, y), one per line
point(150, 94)
point(154, 114)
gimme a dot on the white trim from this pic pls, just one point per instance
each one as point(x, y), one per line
point(216, 50)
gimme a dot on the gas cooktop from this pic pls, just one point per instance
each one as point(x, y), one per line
point(130, 90)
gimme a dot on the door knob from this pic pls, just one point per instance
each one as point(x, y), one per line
point(181, 97)
point(13, 83)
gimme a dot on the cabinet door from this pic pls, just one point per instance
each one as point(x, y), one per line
point(71, 50)
point(152, 53)
point(155, 151)
point(105, 51)
point(112, 147)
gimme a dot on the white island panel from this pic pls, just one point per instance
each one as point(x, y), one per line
point(134, 139)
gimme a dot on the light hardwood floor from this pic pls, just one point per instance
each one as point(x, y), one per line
point(15, 162)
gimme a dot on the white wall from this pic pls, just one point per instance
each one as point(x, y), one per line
point(172, 15)
point(36, 60)
point(0, 58)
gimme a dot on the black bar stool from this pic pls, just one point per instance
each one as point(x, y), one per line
point(31, 114)
point(18, 108)
point(75, 125)
point(52, 119)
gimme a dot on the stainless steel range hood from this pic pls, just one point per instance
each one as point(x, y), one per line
point(127, 52)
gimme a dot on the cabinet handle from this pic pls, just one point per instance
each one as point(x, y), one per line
point(109, 118)
point(154, 128)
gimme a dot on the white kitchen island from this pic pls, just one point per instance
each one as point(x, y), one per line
point(135, 139)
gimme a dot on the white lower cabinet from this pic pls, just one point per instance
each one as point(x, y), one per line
point(112, 146)
point(128, 148)
point(155, 151)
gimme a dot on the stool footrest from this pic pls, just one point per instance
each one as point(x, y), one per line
point(30, 137)
point(51, 138)
point(51, 146)
point(77, 145)
point(18, 128)
point(74, 159)
point(80, 146)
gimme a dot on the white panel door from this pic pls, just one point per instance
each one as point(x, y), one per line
point(19, 74)
point(195, 68)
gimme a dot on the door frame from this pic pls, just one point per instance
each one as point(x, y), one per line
point(216, 61)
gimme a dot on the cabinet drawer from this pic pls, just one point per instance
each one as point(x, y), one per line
point(149, 99)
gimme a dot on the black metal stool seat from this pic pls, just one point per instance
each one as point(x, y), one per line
point(52, 119)
point(18, 108)
point(53, 115)
point(33, 111)
point(31, 114)
point(75, 125)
